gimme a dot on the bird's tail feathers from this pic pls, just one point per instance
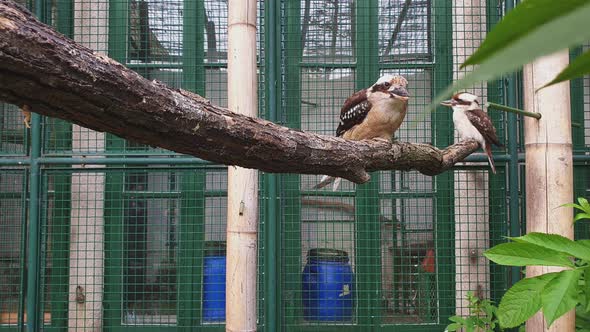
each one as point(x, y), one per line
point(326, 180)
point(336, 184)
point(488, 149)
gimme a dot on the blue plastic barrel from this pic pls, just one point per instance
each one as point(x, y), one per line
point(327, 285)
point(214, 282)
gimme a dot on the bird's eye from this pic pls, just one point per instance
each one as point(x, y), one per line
point(387, 84)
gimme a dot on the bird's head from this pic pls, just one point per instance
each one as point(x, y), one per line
point(462, 101)
point(389, 86)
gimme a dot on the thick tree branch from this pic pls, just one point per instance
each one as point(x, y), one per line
point(59, 78)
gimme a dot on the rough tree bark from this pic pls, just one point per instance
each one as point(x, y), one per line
point(59, 78)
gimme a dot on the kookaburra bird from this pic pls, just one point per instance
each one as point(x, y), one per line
point(472, 122)
point(26, 111)
point(373, 113)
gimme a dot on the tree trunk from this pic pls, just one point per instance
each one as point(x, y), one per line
point(59, 78)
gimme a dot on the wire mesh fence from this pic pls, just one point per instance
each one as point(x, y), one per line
point(137, 245)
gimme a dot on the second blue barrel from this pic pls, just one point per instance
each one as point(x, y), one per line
point(214, 282)
point(327, 285)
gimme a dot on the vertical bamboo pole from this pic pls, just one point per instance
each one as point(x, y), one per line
point(86, 258)
point(472, 229)
point(549, 172)
point(242, 191)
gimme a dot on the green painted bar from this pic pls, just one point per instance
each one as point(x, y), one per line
point(152, 194)
point(114, 250)
point(61, 212)
point(117, 50)
point(272, 225)
point(114, 185)
point(193, 73)
point(192, 238)
point(23, 250)
point(367, 207)
point(121, 162)
point(375, 328)
point(513, 163)
point(498, 227)
point(443, 136)
point(34, 250)
point(60, 239)
point(33, 309)
point(513, 110)
point(581, 173)
point(291, 307)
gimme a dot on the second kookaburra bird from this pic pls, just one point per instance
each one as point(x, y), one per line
point(373, 113)
point(472, 122)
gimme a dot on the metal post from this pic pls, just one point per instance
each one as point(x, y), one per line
point(33, 258)
point(513, 179)
point(33, 268)
point(367, 252)
point(272, 233)
point(514, 110)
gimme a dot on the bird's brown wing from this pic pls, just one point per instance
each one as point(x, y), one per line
point(482, 122)
point(353, 111)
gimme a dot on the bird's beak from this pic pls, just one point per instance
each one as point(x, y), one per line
point(400, 93)
point(449, 103)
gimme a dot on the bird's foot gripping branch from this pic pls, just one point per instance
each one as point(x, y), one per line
point(59, 78)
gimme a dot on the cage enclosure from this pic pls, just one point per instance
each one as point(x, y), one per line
point(102, 234)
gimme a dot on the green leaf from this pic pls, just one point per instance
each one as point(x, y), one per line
point(519, 22)
point(573, 205)
point(578, 68)
point(587, 287)
point(581, 216)
point(470, 324)
point(556, 242)
point(583, 206)
point(453, 327)
point(522, 300)
point(582, 319)
point(563, 31)
point(560, 294)
point(525, 254)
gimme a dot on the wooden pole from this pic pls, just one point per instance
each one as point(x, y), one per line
point(86, 255)
point(549, 171)
point(242, 191)
point(472, 208)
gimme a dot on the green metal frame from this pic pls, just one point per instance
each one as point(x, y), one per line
point(581, 172)
point(192, 195)
point(272, 225)
point(282, 226)
point(60, 228)
point(367, 197)
point(496, 92)
point(367, 226)
point(443, 136)
point(290, 245)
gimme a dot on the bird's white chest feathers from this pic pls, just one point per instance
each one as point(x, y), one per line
point(465, 129)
